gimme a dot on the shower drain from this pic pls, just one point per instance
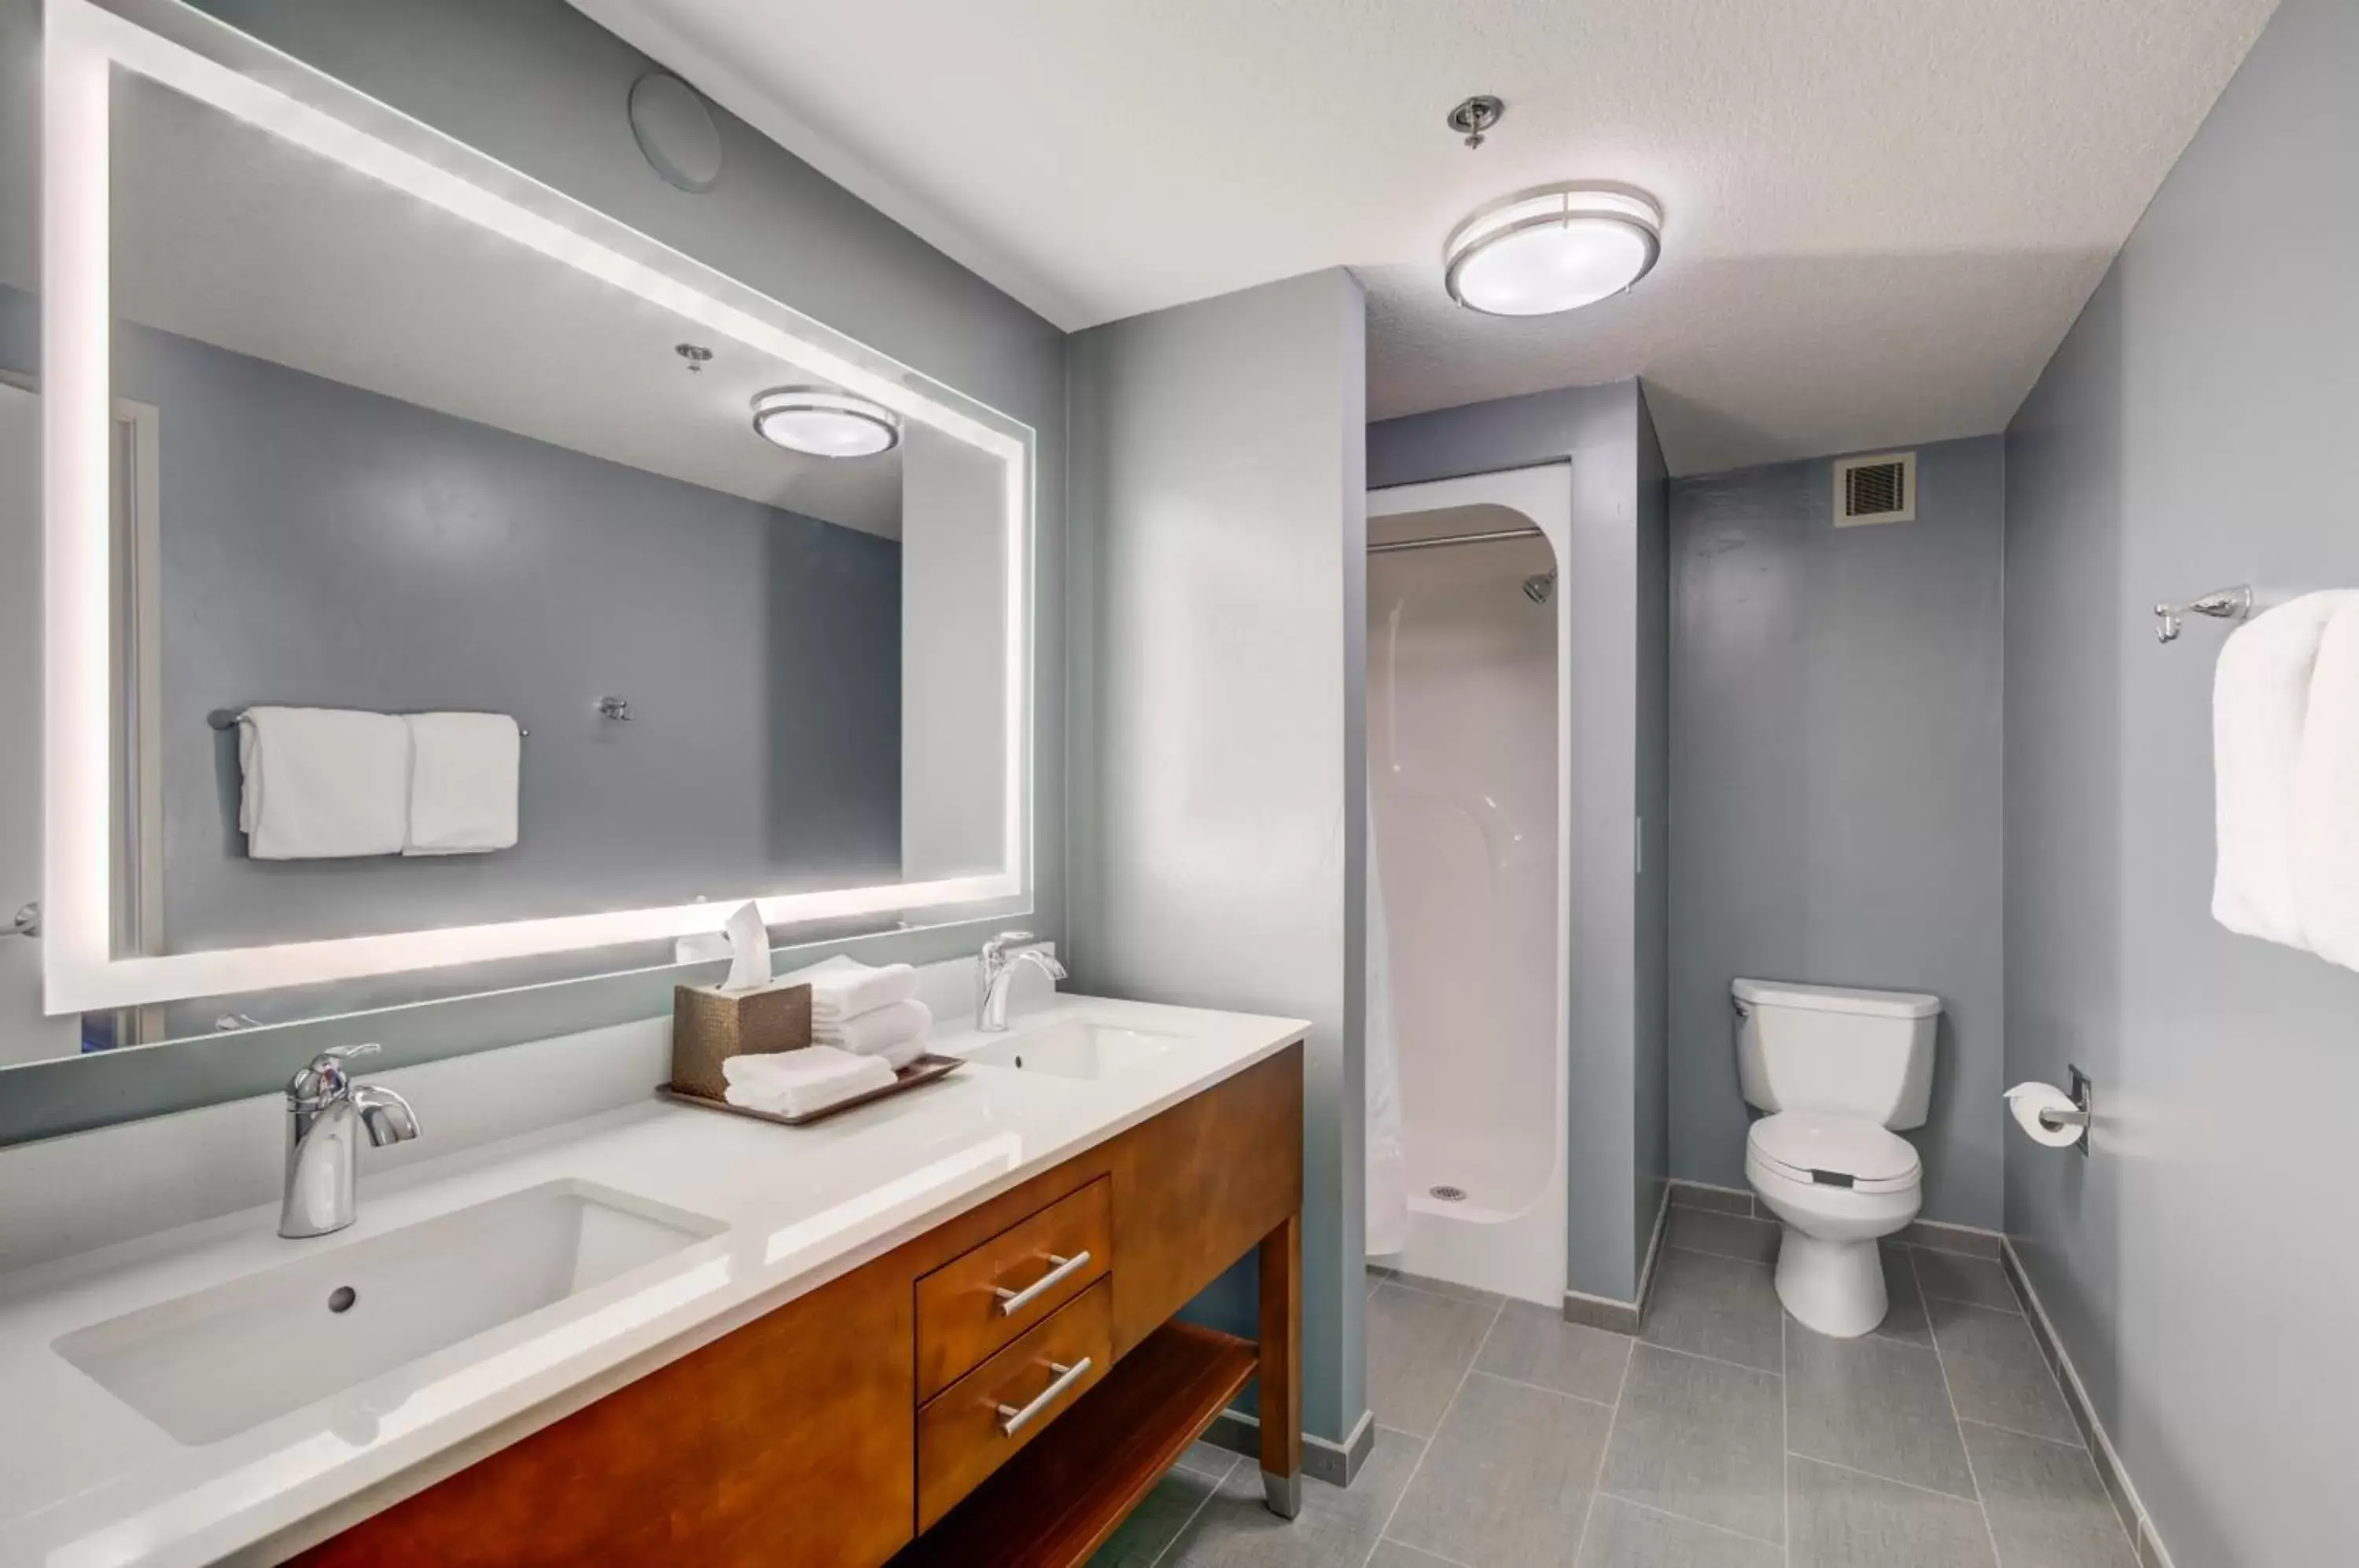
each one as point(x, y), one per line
point(1447, 1194)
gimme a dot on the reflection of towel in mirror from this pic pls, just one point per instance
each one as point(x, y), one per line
point(462, 783)
point(321, 783)
point(797, 1083)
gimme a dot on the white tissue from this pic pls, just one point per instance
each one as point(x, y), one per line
point(2028, 1100)
point(749, 951)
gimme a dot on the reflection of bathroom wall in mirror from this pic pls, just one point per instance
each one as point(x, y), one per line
point(392, 444)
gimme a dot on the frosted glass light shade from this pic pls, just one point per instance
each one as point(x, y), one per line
point(824, 422)
point(1546, 251)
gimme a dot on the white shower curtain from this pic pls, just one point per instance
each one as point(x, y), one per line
point(1388, 1181)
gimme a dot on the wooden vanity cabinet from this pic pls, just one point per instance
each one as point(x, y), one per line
point(834, 1431)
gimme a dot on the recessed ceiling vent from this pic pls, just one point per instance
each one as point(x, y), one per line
point(1880, 489)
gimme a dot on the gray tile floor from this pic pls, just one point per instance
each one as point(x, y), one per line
point(1726, 1435)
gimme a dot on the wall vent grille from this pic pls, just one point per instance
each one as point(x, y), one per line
point(1881, 489)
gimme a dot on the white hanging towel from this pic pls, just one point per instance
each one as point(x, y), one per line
point(2260, 710)
point(2326, 794)
point(1388, 1175)
point(462, 783)
point(321, 783)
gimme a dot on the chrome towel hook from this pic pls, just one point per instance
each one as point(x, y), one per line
point(2221, 605)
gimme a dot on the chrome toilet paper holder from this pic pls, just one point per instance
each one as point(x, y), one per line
point(2083, 1100)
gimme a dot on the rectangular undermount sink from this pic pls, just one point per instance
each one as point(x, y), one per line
point(1076, 1048)
point(210, 1364)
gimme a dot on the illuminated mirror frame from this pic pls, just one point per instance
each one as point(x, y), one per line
point(83, 43)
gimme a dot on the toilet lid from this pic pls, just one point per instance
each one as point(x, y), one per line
point(1811, 1146)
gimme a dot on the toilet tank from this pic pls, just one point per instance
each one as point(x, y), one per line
point(1835, 1048)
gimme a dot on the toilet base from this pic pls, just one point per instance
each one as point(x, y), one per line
point(1833, 1287)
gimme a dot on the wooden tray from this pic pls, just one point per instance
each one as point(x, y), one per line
point(925, 1070)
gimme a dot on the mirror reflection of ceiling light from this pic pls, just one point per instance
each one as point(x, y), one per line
point(1555, 249)
point(824, 422)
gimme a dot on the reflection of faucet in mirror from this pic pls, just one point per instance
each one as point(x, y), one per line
point(325, 1110)
point(995, 969)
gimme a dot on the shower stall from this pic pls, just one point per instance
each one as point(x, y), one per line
point(1469, 753)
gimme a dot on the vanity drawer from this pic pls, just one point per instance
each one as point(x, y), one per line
point(962, 1315)
point(963, 1434)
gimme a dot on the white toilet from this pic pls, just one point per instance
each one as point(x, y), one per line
point(1836, 1068)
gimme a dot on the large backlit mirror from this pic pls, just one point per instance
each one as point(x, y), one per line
point(347, 430)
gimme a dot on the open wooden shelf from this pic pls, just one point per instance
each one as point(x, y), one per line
point(1058, 1501)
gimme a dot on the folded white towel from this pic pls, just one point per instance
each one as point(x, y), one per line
point(462, 783)
point(322, 783)
point(871, 1033)
point(900, 1053)
point(2325, 837)
point(797, 1083)
point(844, 987)
point(2260, 706)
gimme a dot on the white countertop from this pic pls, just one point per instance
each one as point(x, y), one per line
point(85, 1481)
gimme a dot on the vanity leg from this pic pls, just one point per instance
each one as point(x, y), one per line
point(1281, 1367)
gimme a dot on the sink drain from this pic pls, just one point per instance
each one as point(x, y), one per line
point(1448, 1194)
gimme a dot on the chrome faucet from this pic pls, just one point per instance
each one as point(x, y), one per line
point(994, 977)
point(326, 1113)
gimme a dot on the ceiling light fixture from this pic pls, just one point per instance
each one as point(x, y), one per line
point(1560, 248)
point(824, 422)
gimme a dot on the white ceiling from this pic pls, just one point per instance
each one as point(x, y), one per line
point(1881, 217)
point(229, 235)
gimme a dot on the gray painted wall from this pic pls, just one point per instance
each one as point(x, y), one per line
point(2194, 430)
point(1835, 776)
point(1650, 1070)
point(324, 546)
point(1599, 428)
point(1218, 755)
point(540, 86)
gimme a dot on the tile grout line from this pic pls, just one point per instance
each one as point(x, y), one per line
point(2072, 1443)
point(1544, 1389)
point(1960, 1301)
point(1723, 1256)
point(1202, 1504)
point(1786, 1438)
point(1661, 1512)
point(1394, 1512)
point(1872, 1476)
point(1715, 1360)
point(1982, 1506)
point(1605, 1452)
point(1471, 1301)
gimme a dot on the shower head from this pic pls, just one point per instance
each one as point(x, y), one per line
point(1539, 586)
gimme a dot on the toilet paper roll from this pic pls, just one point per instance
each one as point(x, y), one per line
point(2028, 1100)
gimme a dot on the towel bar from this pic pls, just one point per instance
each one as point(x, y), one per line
point(2221, 605)
point(227, 719)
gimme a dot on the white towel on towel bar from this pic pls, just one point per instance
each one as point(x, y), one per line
point(2260, 710)
point(321, 783)
point(462, 783)
point(2326, 796)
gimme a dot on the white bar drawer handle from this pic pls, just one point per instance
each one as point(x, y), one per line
point(1013, 1420)
point(1014, 1302)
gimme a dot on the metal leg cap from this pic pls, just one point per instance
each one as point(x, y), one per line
point(1283, 1493)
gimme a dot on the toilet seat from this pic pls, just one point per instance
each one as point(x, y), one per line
point(1821, 1148)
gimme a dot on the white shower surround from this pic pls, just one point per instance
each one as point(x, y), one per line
point(1493, 1120)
